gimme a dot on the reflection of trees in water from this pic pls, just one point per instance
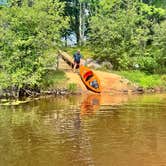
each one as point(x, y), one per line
point(71, 128)
point(38, 129)
point(69, 124)
point(58, 130)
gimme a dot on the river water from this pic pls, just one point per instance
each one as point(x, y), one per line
point(88, 130)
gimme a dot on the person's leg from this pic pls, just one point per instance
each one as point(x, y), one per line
point(78, 65)
point(75, 65)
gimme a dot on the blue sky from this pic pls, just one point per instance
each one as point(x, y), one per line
point(3, 2)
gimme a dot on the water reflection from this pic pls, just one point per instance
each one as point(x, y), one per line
point(90, 104)
point(85, 130)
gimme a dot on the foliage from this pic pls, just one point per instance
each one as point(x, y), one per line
point(72, 87)
point(123, 33)
point(144, 80)
point(52, 78)
point(147, 63)
point(130, 34)
point(79, 13)
point(26, 32)
point(159, 3)
point(85, 51)
point(159, 46)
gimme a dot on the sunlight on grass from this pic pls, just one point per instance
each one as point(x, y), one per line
point(86, 52)
point(143, 79)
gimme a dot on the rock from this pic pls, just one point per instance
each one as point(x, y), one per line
point(94, 65)
point(125, 91)
point(107, 65)
point(125, 81)
point(89, 60)
point(150, 90)
point(159, 89)
point(63, 91)
point(140, 90)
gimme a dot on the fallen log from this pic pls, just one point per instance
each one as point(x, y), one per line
point(67, 58)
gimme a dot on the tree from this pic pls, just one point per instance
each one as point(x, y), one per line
point(25, 34)
point(122, 33)
point(159, 46)
point(79, 12)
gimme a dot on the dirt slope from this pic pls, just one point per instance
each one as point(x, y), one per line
point(110, 82)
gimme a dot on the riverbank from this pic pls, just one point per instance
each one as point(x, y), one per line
point(131, 83)
point(67, 82)
point(138, 81)
point(53, 82)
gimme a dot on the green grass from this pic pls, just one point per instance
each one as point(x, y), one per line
point(144, 80)
point(85, 51)
point(53, 79)
point(72, 87)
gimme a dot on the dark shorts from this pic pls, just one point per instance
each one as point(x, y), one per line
point(76, 62)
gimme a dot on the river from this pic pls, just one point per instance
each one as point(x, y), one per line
point(88, 130)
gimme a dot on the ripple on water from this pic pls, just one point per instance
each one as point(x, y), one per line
point(79, 131)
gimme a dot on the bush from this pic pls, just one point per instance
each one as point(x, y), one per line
point(72, 87)
point(25, 34)
point(51, 78)
point(146, 64)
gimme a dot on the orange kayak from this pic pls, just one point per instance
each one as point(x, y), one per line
point(90, 79)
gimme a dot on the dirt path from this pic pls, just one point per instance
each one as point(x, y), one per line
point(110, 82)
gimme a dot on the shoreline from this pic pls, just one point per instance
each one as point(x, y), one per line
point(9, 100)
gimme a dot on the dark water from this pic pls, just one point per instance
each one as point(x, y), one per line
point(85, 131)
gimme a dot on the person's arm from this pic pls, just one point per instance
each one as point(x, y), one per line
point(81, 60)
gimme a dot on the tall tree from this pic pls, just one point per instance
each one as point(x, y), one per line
point(79, 12)
point(159, 46)
point(25, 34)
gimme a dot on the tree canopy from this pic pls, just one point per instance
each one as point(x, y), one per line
point(124, 33)
point(26, 31)
point(130, 34)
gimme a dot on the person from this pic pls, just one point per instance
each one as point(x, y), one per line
point(94, 84)
point(77, 58)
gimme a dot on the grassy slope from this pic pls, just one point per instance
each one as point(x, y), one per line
point(86, 52)
point(143, 79)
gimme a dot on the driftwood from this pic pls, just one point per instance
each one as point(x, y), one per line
point(67, 58)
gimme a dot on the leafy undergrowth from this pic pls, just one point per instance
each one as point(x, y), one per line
point(72, 87)
point(53, 79)
point(160, 3)
point(144, 80)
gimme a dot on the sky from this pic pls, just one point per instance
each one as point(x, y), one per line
point(3, 2)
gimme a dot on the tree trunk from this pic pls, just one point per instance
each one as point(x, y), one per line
point(80, 24)
point(77, 23)
point(65, 40)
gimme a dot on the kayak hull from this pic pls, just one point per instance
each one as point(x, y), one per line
point(90, 79)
